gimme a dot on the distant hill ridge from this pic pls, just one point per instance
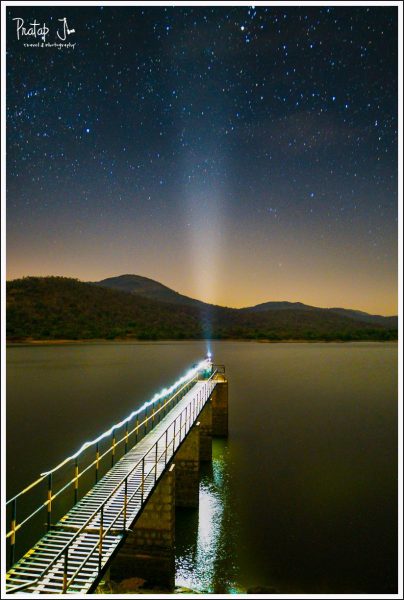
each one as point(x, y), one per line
point(149, 288)
point(60, 308)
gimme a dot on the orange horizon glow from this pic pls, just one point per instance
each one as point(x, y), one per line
point(230, 295)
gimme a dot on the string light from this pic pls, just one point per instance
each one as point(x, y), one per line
point(204, 364)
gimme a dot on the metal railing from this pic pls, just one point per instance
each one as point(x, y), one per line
point(161, 453)
point(144, 421)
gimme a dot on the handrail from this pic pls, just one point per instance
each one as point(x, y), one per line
point(186, 379)
point(155, 445)
point(165, 401)
point(85, 447)
point(100, 508)
point(95, 462)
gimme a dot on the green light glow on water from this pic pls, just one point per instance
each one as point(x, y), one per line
point(208, 544)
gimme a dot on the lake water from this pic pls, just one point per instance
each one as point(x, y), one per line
point(302, 496)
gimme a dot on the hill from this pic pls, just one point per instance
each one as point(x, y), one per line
point(149, 288)
point(358, 315)
point(281, 305)
point(50, 308)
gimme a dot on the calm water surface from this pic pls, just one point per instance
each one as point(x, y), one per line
point(301, 498)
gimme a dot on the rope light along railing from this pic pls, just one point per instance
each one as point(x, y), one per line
point(135, 425)
point(165, 446)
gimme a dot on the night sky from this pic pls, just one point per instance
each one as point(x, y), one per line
point(236, 154)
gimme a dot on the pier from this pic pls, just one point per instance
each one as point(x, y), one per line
point(123, 521)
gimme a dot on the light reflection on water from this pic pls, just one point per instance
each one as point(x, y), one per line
point(205, 541)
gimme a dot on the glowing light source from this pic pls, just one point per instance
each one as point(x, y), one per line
point(201, 366)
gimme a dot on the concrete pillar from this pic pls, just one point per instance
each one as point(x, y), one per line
point(220, 415)
point(205, 442)
point(187, 470)
point(148, 552)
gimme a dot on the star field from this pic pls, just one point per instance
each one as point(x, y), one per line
point(236, 154)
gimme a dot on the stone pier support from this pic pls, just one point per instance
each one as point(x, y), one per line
point(220, 414)
point(187, 470)
point(205, 443)
point(148, 552)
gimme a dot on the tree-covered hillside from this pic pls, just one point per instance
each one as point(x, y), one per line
point(51, 308)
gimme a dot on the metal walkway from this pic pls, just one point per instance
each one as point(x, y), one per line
point(75, 552)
